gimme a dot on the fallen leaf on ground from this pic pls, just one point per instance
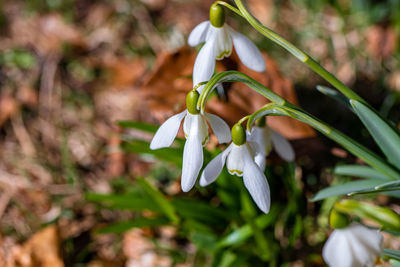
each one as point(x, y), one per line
point(42, 249)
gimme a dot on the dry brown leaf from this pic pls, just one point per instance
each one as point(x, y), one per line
point(381, 42)
point(262, 10)
point(167, 85)
point(41, 250)
point(46, 33)
point(115, 162)
point(140, 251)
point(8, 108)
point(124, 73)
point(190, 13)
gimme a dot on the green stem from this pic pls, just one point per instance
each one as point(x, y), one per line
point(281, 107)
point(235, 76)
point(349, 144)
point(303, 57)
point(243, 119)
point(232, 8)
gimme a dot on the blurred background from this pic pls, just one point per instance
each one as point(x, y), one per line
point(83, 85)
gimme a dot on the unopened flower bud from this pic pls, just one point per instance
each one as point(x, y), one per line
point(191, 102)
point(238, 134)
point(217, 16)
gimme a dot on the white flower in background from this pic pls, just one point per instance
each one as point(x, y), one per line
point(267, 139)
point(353, 246)
point(239, 158)
point(196, 132)
point(219, 38)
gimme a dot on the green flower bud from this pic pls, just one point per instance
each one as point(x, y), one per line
point(217, 15)
point(338, 220)
point(238, 134)
point(261, 122)
point(191, 102)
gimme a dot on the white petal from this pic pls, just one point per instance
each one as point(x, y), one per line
point(199, 33)
point(256, 183)
point(282, 146)
point(214, 168)
point(223, 43)
point(260, 161)
point(366, 243)
point(192, 162)
point(196, 122)
point(337, 251)
point(187, 124)
point(205, 64)
point(248, 52)
point(219, 127)
point(235, 160)
point(262, 136)
point(167, 132)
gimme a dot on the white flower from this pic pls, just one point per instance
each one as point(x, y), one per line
point(219, 45)
point(239, 160)
point(196, 132)
point(353, 246)
point(267, 139)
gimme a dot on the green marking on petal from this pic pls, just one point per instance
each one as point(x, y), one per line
point(225, 53)
point(234, 171)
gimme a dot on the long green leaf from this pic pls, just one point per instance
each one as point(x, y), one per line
point(387, 138)
point(346, 188)
point(166, 207)
point(134, 202)
point(146, 127)
point(360, 171)
point(172, 155)
point(333, 94)
point(199, 211)
point(386, 217)
point(390, 253)
point(141, 222)
point(245, 232)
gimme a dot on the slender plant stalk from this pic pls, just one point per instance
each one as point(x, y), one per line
point(351, 145)
point(303, 57)
point(281, 107)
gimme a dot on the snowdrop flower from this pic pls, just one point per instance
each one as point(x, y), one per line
point(239, 159)
point(196, 132)
point(267, 139)
point(353, 245)
point(218, 38)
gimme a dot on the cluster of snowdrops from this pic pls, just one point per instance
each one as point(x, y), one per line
point(350, 244)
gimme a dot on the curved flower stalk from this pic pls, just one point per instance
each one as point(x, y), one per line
point(239, 160)
point(266, 139)
point(196, 132)
point(353, 246)
point(219, 39)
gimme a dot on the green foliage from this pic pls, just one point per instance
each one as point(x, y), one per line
point(18, 57)
point(386, 137)
point(230, 231)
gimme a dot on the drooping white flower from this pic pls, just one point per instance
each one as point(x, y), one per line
point(266, 139)
point(218, 44)
point(353, 246)
point(196, 132)
point(239, 159)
